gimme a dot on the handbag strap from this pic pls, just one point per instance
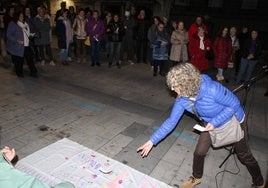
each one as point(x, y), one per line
point(199, 119)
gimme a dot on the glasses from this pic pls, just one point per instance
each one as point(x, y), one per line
point(161, 27)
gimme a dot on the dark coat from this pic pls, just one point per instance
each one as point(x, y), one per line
point(197, 55)
point(246, 47)
point(160, 52)
point(61, 34)
point(141, 29)
point(42, 25)
point(129, 23)
point(14, 33)
point(30, 22)
point(222, 50)
point(112, 35)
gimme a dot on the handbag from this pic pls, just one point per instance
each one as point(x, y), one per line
point(87, 41)
point(226, 134)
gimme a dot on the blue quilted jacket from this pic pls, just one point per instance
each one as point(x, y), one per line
point(214, 103)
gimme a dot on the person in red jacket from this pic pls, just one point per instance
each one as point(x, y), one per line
point(197, 49)
point(194, 27)
point(222, 47)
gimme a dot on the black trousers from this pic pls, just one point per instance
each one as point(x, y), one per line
point(18, 62)
point(28, 55)
point(41, 50)
point(142, 50)
point(163, 65)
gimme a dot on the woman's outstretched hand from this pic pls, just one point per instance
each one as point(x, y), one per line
point(145, 148)
point(9, 153)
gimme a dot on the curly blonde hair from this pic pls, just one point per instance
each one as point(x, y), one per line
point(185, 78)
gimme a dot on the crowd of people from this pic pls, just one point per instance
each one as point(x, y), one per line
point(82, 33)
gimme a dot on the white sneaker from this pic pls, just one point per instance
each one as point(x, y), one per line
point(43, 62)
point(69, 59)
point(52, 63)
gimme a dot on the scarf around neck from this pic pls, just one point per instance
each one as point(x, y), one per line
point(26, 32)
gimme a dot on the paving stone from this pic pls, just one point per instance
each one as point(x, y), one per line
point(130, 157)
point(33, 146)
point(164, 171)
point(11, 134)
point(158, 151)
point(134, 130)
point(13, 143)
point(31, 136)
point(94, 142)
point(177, 154)
point(111, 130)
point(116, 145)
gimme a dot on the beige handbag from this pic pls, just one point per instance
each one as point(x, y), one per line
point(227, 134)
point(87, 41)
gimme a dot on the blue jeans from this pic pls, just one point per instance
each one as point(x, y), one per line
point(247, 66)
point(64, 53)
point(95, 45)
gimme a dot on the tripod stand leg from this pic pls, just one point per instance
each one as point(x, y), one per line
point(231, 152)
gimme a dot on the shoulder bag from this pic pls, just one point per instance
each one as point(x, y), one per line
point(226, 134)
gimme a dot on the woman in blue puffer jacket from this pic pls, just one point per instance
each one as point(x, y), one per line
point(216, 105)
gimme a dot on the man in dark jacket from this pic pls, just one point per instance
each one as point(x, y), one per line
point(116, 32)
point(141, 37)
point(128, 42)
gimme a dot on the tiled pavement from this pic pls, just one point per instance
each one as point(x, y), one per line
point(113, 111)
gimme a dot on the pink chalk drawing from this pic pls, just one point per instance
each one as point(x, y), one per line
point(106, 164)
point(118, 179)
point(147, 184)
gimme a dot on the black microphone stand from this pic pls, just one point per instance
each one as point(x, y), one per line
point(263, 72)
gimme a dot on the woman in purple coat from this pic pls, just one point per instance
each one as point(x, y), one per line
point(96, 30)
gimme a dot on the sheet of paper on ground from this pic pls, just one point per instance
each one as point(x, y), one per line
point(66, 160)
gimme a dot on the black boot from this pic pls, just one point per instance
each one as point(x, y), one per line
point(155, 70)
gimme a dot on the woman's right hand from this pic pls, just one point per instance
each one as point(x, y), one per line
point(145, 148)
